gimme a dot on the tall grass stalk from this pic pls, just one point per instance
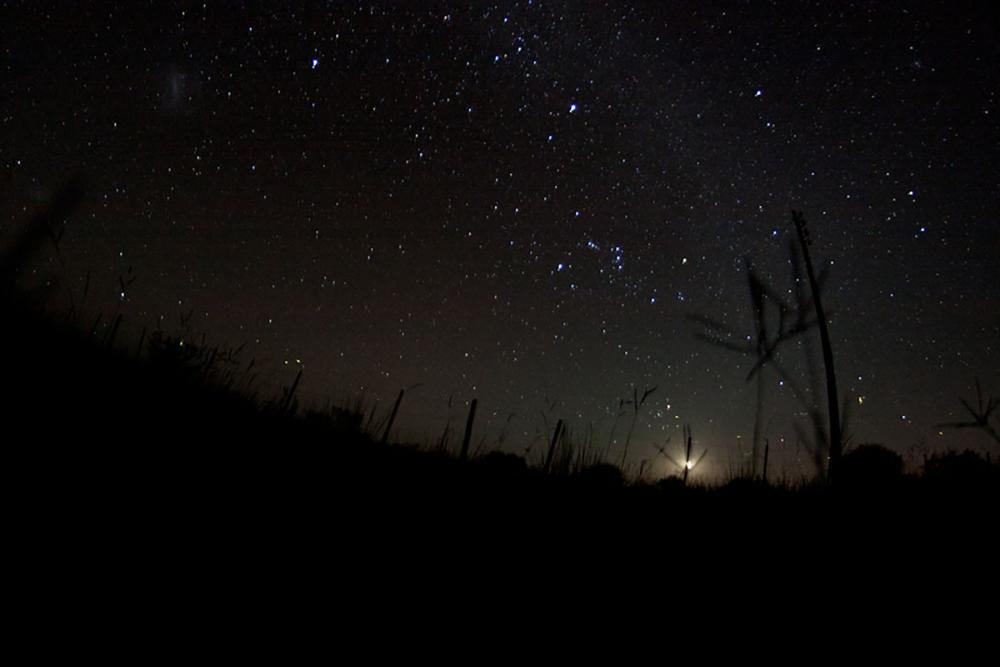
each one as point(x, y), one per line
point(464, 454)
point(392, 417)
point(832, 398)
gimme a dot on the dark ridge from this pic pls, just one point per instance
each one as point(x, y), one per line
point(111, 444)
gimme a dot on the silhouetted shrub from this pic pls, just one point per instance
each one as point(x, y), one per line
point(673, 483)
point(960, 471)
point(335, 419)
point(503, 464)
point(601, 477)
point(744, 486)
point(871, 466)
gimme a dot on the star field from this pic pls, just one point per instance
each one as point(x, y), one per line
point(524, 202)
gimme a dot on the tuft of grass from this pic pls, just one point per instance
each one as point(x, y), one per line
point(980, 414)
point(464, 453)
point(392, 416)
point(549, 456)
point(687, 464)
point(636, 403)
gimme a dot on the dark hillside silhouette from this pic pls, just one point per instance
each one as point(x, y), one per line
point(170, 433)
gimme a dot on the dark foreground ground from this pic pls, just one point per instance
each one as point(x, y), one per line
point(142, 481)
point(153, 436)
point(146, 507)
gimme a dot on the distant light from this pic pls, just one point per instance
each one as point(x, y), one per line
point(684, 261)
point(689, 465)
point(572, 108)
point(559, 267)
point(314, 63)
point(759, 92)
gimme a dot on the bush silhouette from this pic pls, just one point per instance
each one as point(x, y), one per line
point(871, 466)
point(503, 464)
point(963, 471)
point(602, 477)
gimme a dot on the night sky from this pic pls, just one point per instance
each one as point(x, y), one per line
point(525, 202)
